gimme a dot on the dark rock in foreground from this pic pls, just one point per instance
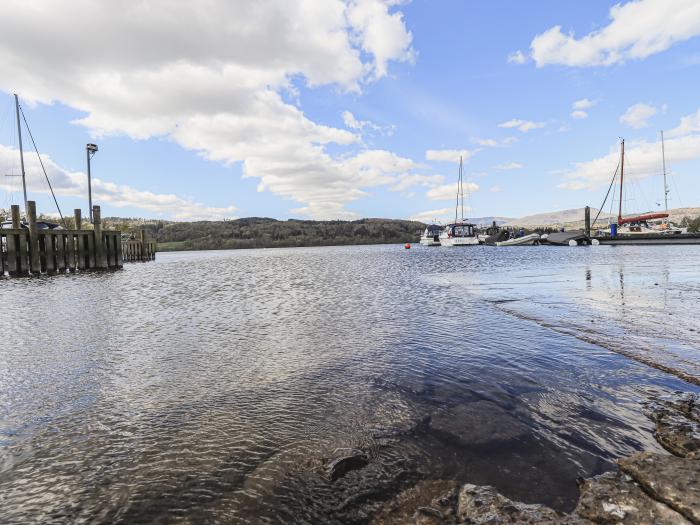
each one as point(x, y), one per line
point(674, 481)
point(650, 488)
point(678, 424)
point(484, 505)
point(614, 498)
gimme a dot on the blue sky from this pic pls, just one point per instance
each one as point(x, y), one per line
point(351, 108)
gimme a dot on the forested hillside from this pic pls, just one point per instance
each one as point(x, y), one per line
point(257, 232)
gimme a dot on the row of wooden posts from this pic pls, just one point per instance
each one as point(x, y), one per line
point(31, 250)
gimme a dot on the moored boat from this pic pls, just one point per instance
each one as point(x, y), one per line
point(459, 234)
point(640, 229)
point(431, 235)
point(526, 240)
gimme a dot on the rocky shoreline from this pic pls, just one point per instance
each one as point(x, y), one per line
point(647, 488)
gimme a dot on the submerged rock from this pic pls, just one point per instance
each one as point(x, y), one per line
point(346, 460)
point(421, 504)
point(674, 481)
point(678, 424)
point(479, 423)
point(614, 498)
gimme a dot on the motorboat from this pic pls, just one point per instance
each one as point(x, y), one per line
point(459, 234)
point(431, 235)
point(526, 240)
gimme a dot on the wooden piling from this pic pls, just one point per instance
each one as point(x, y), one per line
point(100, 252)
point(12, 243)
point(34, 259)
point(587, 220)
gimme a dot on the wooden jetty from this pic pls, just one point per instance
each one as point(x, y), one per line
point(33, 251)
point(138, 249)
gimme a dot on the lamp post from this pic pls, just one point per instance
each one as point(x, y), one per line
point(90, 149)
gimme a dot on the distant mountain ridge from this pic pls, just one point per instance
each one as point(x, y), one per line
point(568, 217)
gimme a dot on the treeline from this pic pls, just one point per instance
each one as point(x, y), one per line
point(693, 225)
point(258, 232)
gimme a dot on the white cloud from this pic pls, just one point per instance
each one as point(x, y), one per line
point(494, 143)
point(579, 114)
point(361, 125)
point(517, 57)
point(441, 215)
point(644, 158)
point(495, 189)
point(521, 125)
point(584, 103)
point(448, 192)
point(509, 166)
point(74, 184)
point(636, 116)
point(448, 155)
point(410, 181)
point(211, 79)
point(637, 30)
point(688, 124)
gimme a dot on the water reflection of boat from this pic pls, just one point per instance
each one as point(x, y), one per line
point(431, 235)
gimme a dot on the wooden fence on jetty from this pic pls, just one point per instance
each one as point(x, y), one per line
point(138, 249)
point(30, 250)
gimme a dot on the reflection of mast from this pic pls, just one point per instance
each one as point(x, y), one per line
point(663, 156)
point(622, 176)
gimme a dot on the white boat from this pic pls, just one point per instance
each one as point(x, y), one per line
point(527, 240)
point(460, 232)
point(431, 235)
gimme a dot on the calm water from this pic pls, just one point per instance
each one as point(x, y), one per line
point(214, 386)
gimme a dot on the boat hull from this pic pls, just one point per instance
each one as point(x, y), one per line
point(527, 240)
point(429, 242)
point(641, 239)
point(451, 242)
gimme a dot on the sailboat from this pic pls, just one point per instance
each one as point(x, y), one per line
point(460, 232)
point(638, 229)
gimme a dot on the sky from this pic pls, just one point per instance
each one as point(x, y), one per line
point(344, 109)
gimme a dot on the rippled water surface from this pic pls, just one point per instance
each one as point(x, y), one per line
point(215, 386)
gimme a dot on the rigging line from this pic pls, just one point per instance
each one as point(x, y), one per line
point(43, 168)
point(607, 194)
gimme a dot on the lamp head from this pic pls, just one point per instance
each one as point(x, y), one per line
point(92, 148)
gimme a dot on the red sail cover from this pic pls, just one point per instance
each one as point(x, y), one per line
point(647, 217)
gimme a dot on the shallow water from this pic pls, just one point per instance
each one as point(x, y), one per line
point(214, 386)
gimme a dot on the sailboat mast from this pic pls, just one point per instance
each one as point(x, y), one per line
point(663, 156)
point(461, 185)
point(21, 158)
point(458, 179)
point(622, 176)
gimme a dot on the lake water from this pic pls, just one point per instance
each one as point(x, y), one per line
point(215, 386)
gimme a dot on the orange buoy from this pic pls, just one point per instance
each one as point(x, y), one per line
point(407, 246)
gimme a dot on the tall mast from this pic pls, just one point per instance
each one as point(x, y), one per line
point(461, 185)
point(622, 176)
point(458, 179)
point(21, 158)
point(663, 156)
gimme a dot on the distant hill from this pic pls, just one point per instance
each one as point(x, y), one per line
point(555, 218)
point(574, 218)
point(488, 221)
point(256, 232)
